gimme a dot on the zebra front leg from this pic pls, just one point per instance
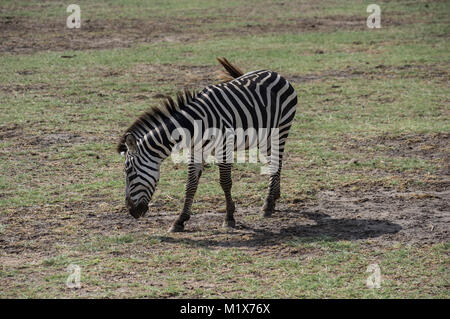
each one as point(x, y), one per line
point(194, 173)
point(226, 183)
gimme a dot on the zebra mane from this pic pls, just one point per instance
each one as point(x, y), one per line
point(167, 108)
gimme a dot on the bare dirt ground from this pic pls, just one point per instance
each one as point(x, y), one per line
point(380, 218)
point(19, 36)
point(384, 217)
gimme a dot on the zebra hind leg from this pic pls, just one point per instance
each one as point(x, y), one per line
point(226, 183)
point(273, 195)
point(194, 173)
point(274, 183)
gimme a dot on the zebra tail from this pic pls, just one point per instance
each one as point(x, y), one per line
point(231, 72)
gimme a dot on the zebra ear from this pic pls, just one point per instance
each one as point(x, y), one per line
point(130, 142)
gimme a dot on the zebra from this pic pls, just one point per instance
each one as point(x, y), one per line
point(257, 99)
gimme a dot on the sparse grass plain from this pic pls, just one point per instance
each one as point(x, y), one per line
point(366, 176)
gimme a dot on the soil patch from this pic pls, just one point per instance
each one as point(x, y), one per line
point(380, 218)
point(19, 33)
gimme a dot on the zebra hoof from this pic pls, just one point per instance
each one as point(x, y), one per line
point(229, 223)
point(267, 213)
point(176, 228)
point(269, 208)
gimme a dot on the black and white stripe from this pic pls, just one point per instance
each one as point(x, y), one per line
point(258, 100)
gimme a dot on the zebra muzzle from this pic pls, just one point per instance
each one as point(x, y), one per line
point(139, 210)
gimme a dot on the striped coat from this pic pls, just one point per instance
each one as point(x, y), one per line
point(262, 102)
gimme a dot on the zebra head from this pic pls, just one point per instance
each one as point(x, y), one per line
point(141, 177)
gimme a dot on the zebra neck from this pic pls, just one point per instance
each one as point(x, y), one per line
point(161, 135)
point(160, 139)
point(157, 144)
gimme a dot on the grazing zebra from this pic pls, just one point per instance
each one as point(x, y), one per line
point(255, 100)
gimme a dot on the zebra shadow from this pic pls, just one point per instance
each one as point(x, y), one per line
point(265, 233)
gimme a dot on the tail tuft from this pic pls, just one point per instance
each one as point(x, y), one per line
point(231, 72)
